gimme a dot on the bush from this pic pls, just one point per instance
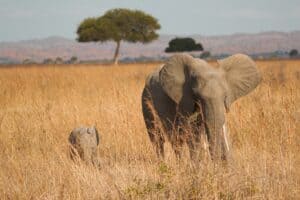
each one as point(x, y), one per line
point(48, 61)
point(294, 53)
point(183, 44)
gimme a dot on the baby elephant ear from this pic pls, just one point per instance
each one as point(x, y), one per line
point(72, 138)
point(241, 74)
point(172, 75)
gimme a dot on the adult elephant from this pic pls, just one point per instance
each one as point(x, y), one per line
point(187, 98)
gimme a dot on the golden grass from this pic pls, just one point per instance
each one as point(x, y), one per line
point(39, 106)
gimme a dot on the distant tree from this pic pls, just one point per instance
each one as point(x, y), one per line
point(293, 53)
point(48, 61)
point(28, 61)
point(119, 25)
point(59, 60)
point(183, 44)
point(205, 54)
point(73, 60)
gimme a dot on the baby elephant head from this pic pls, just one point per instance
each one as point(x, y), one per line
point(187, 81)
point(84, 142)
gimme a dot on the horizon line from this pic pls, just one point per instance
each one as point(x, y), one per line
point(161, 34)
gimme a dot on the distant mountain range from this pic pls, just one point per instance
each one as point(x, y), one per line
point(52, 47)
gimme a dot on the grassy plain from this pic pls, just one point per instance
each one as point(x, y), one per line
point(40, 105)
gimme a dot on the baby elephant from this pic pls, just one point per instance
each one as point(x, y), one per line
point(84, 142)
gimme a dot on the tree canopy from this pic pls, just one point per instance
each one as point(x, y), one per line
point(293, 53)
point(183, 44)
point(119, 25)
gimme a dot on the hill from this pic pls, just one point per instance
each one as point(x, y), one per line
point(52, 47)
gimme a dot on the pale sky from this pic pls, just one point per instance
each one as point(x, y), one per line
point(31, 19)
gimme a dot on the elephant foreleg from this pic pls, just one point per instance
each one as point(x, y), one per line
point(157, 140)
point(177, 141)
point(196, 133)
point(194, 144)
point(177, 147)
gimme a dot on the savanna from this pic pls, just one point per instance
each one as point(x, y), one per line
point(39, 106)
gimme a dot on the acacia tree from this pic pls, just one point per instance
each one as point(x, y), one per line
point(119, 25)
point(183, 44)
point(293, 53)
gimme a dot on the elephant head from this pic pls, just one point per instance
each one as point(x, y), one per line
point(84, 142)
point(187, 81)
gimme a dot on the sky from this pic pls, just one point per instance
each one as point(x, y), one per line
point(32, 19)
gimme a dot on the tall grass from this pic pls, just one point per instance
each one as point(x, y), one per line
point(39, 106)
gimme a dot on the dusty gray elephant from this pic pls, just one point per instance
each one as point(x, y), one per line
point(189, 94)
point(84, 142)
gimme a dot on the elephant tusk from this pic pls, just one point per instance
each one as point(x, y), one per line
point(225, 136)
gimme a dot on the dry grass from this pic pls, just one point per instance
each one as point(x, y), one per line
point(39, 106)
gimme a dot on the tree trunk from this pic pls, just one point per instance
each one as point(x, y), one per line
point(116, 56)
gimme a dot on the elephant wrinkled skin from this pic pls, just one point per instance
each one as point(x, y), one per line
point(189, 93)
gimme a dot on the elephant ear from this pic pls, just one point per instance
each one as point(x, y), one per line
point(172, 76)
point(241, 74)
point(72, 138)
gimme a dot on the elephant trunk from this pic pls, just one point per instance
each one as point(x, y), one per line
point(214, 113)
